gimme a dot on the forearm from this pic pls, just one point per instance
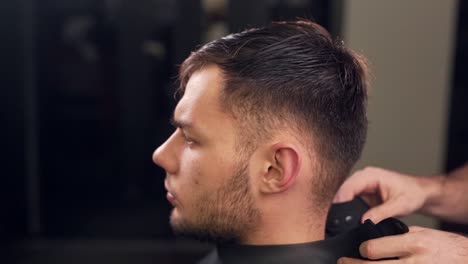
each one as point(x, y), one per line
point(447, 196)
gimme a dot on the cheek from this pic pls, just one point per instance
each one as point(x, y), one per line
point(190, 173)
point(195, 176)
point(202, 171)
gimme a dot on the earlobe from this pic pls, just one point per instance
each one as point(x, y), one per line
point(283, 170)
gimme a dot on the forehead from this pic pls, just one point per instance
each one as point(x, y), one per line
point(201, 100)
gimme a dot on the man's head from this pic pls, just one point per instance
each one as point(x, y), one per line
point(268, 117)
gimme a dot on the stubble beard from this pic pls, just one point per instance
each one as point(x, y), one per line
point(227, 216)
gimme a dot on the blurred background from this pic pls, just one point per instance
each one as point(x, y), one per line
point(86, 92)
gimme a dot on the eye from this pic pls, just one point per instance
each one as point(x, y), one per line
point(187, 139)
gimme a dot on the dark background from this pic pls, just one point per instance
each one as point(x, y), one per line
point(86, 95)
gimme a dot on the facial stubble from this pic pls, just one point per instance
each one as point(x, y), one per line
point(225, 216)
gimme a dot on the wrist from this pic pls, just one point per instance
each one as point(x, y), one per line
point(433, 189)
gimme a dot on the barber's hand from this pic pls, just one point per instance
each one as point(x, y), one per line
point(398, 194)
point(420, 245)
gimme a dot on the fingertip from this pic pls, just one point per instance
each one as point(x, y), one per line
point(342, 196)
point(363, 249)
point(339, 199)
point(336, 199)
point(363, 219)
point(367, 216)
point(374, 216)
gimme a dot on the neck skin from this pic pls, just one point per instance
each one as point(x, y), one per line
point(284, 220)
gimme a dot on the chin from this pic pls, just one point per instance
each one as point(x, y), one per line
point(179, 224)
point(201, 232)
point(174, 218)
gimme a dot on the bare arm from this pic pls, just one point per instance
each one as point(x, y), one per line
point(447, 196)
point(443, 196)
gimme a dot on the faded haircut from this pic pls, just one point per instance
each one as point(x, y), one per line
point(293, 76)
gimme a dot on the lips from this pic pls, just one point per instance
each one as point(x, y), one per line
point(169, 196)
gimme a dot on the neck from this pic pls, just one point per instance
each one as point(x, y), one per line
point(283, 224)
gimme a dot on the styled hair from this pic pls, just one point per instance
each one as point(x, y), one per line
point(293, 76)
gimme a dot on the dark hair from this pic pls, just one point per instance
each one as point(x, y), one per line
point(293, 75)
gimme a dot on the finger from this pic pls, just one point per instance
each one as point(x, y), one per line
point(358, 183)
point(372, 200)
point(389, 208)
point(385, 247)
point(360, 261)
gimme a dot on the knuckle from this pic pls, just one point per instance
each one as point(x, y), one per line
point(420, 242)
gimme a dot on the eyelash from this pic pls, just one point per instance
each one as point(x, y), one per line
point(187, 139)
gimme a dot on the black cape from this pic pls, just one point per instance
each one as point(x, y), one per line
point(326, 251)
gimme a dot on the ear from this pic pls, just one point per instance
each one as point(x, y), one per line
point(284, 166)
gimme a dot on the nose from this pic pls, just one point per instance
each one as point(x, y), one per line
point(165, 156)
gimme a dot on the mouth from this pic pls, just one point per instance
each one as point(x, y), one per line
point(170, 196)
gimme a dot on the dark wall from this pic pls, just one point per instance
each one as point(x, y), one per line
point(87, 99)
point(86, 95)
point(12, 115)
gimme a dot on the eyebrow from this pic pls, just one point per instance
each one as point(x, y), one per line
point(180, 123)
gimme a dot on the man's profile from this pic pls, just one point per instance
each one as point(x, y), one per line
point(269, 124)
